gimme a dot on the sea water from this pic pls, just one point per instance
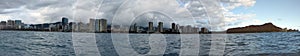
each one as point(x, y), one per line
point(31, 43)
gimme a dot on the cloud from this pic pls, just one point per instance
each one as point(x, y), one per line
point(34, 11)
point(207, 13)
point(216, 14)
point(231, 4)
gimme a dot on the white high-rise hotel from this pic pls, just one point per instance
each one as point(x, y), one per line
point(98, 25)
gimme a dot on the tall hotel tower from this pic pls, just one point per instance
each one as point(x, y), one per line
point(65, 22)
point(103, 25)
point(160, 27)
point(92, 25)
point(173, 27)
point(150, 27)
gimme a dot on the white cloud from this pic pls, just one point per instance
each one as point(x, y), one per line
point(231, 4)
point(208, 13)
point(216, 14)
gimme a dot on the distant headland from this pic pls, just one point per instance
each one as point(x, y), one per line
point(267, 27)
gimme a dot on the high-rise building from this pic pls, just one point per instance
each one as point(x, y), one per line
point(97, 25)
point(150, 27)
point(160, 27)
point(135, 28)
point(103, 25)
point(116, 28)
point(189, 29)
point(173, 27)
point(204, 30)
point(10, 22)
point(18, 24)
point(82, 27)
point(65, 21)
point(92, 25)
point(71, 26)
point(3, 23)
point(177, 28)
point(195, 30)
point(181, 29)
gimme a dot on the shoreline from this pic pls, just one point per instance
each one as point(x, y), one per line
point(146, 33)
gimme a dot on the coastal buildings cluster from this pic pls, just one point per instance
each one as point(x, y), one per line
point(63, 26)
point(174, 28)
point(98, 26)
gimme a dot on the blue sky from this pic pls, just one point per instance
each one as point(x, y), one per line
point(283, 13)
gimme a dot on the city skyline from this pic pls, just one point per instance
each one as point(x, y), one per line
point(96, 26)
point(237, 13)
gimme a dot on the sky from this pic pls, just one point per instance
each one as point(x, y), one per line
point(282, 13)
point(212, 14)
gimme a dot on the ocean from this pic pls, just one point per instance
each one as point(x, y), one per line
point(31, 43)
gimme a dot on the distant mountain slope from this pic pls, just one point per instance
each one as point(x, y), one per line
point(267, 27)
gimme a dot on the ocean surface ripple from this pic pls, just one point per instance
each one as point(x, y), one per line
point(29, 43)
